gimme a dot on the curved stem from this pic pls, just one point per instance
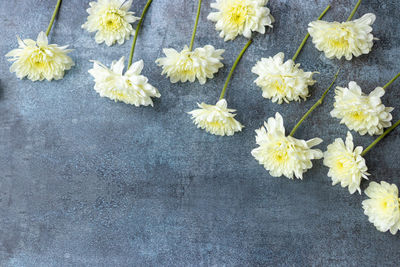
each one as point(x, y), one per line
point(354, 10)
point(319, 102)
point(53, 17)
point(233, 68)
point(308, 35)
point(391, 81)
point(380, 138)
point(195, 27)
point(146, 7)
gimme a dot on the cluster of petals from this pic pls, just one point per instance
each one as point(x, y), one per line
point(346, 164)
point(383, 206)
point(240, 17)
point(111, 20)
point(281, 154)
point(39, 60)
point(345, 39)
point(200, 64)
point(282, 81)
point(360, 112)
point(130, 87)
point(216, 119)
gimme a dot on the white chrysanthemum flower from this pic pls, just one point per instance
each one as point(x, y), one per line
point(130, 88)
point(360, 112)
point(240, 17)
point(346, 39)
point(111, 20)
point(39, 60)
point(202, 63)
point(383, 206)
point(281, 154)
point(345, 163)
point(216, 119)
point(282, 81)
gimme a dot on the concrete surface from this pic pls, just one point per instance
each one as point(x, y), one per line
point(89, 182)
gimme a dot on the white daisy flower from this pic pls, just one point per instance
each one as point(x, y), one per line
point(282, 81)
point(346, 39)
point(240, 17)
point(383, 206)
point(346, 164)
point(281, 154)
point(111, 20)
point(39, 60)
point(216, 119)
point(360, 112)
point(200, 64)
point(130, 87)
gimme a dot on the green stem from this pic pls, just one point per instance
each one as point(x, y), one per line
point(380, 138)
point(308, 35)
point(53, 17)
point(354, 10)
point(137, 32)
point(233, 68)
point(319, 102)
point(391, 81)
point(195, 26)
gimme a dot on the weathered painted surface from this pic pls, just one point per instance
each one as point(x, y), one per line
point(89, 182)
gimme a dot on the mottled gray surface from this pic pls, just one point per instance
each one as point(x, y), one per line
point(89, 182)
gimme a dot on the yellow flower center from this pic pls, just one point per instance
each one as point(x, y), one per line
point(339, 165)
point(279, 85)
point(357, 115)
point(215, 124)
point(188, 67)
point(112, 20)
point(237, 13)
point(280, 156)
point(129, 83)
point(387, 203)
point(339, 38)
point(281, 152)
point(384, 204)
point(185, 64)
point(344, 164)
point(38, 59)
point(119, 95)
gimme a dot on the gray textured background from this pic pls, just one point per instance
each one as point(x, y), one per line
point(89, 182)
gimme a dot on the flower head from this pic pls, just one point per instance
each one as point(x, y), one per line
point(130, 88)
point(281, 154)
point(216, 119)
point(345, 163)
point(282, 81)
point(111, 20)
point(202, 63)
point(383, 206)
point(40, 60)
point(240, 17)
point(360, 112)
point(346, 39)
